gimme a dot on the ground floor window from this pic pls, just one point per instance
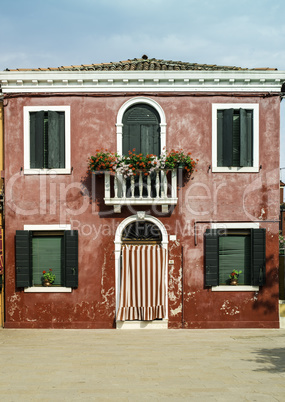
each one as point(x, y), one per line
point(47, 253)
point(38, 251)
point(239, 249)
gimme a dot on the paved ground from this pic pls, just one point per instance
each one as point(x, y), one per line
point(137, 365)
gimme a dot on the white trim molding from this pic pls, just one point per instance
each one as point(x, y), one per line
point(237, 288)
point(47, 227)
point(27, 111)
point(52, 289)
point(142, 81)
point(224, 169)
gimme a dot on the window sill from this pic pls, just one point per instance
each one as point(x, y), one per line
point(237, 288)
point(224, 169)
point(47, 171)
point(52, 289)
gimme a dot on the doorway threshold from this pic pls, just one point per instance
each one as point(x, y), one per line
point(155, 324)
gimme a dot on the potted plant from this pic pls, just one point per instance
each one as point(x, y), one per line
point(179, 159)
point(102, 160)
point(48, 277)
point(234, 276)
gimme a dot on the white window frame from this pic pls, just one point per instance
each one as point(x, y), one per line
point(52, 289)
point(27, 111)
point(235, 169)
point(230, 288)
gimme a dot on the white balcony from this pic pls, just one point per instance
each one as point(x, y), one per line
point(159, 188)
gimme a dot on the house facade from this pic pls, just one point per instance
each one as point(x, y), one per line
point(148, 250)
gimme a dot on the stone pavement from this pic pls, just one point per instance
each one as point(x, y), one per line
point(137, 365)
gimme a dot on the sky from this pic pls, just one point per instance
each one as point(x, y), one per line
point(53, 33)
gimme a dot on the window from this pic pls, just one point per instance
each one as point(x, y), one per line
point(235, 138)
point(240, 249)
point(46, 139)
point(38, 250)
point(141, 130)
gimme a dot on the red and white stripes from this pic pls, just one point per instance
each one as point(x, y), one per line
point(142, 295)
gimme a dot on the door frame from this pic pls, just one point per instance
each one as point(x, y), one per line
point(140, 216)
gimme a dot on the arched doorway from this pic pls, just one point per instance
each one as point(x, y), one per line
point(141, 246)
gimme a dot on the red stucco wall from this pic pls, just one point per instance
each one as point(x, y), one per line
point(207, 196)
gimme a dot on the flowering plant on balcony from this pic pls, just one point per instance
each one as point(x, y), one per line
point(133, 163)
point(102, 160)
point(174, 159)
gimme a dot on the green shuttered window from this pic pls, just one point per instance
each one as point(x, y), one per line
point(47, 139)
point(141, 130)
point(38, 251)
point(46, 254)
point(235, 138)
point(243, 250)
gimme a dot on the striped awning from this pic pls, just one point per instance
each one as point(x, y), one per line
point(142, 294)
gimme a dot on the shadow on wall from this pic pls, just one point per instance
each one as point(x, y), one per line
point(266, 299)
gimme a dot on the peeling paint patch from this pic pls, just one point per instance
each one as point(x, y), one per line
point(176, 311)
point(13, 303)
point(228, 309)
point(262, 213)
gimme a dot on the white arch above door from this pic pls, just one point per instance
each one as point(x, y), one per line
point(134, 101)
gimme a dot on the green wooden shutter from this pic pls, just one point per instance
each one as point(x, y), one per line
point(236, 139)
point(71, 258)
point(246, 137)
point(56, 140)
point(23, 259)
point(134, 139)
point(141, 130)
point(150, 139)
point(220, 118)
point(228, 137)
point(211, 257)
point(37, 140)
point(258, 257)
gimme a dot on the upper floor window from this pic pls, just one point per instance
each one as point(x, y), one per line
point(235, 138)
point(47, 139)
point(141, 130)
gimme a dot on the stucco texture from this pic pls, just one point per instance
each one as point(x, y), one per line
point(77, 199)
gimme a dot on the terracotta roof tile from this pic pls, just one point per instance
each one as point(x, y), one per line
point(144, 64)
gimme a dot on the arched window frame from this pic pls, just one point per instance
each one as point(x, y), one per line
point(126, 106)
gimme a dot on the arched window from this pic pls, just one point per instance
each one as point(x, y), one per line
point(140, 118)
point(141, 130)
point(141, 232)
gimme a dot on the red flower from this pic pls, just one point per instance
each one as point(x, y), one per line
point(44, 272)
